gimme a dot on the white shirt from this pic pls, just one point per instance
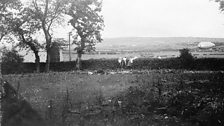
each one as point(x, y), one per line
point(119, 60)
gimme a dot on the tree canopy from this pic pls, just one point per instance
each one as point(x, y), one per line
point(88, 23)
point(7, 12)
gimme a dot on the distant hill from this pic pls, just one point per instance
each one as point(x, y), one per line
point(153, 43)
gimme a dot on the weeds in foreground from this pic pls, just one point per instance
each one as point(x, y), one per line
point(200, 102)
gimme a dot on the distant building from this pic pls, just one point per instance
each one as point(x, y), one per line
point(55, 54)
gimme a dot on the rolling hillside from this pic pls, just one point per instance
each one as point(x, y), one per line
point(153, 43)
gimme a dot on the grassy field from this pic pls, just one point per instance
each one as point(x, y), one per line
point(120, 98)
point(41, 89)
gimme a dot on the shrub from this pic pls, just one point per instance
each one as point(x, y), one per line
point(11, 61)
point(186, 58)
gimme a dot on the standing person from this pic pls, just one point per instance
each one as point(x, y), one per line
point(130, 62)
point(125, 61)
point(120, 62)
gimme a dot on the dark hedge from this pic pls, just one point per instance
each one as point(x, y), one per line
point(112, 64)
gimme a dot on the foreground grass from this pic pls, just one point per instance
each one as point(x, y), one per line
point(47, 91)
point(140, 98)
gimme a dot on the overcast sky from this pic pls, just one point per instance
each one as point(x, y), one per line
point(159, 18)
point(162, 18)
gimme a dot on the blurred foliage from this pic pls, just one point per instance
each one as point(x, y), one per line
point(221, 4)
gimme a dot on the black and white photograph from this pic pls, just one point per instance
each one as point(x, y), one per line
point(112, 62)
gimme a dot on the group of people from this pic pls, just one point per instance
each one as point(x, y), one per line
point(126, 62)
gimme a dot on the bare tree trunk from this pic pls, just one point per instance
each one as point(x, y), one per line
point(48, 61)
point(80, 52)
point(1, 88)
point(37, 61)
point(78, 61)
point(48, 48)
point(1, 37)
point(1, 81)
point(0, 66)
point(34, 48)
point(1, 70)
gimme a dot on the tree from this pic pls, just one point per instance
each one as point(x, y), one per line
point(88, 23)
point(31, 44)
point(47, 13)
point(6, 14)
point(5, 18)
point(24, 27)
point(186, 58)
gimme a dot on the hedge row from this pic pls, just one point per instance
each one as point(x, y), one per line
point(112, 64)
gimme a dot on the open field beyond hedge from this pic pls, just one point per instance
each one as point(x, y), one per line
point(154, 97)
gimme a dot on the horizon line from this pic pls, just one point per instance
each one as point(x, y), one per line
point(162, 37)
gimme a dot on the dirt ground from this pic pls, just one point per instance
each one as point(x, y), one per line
point(87, 98)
